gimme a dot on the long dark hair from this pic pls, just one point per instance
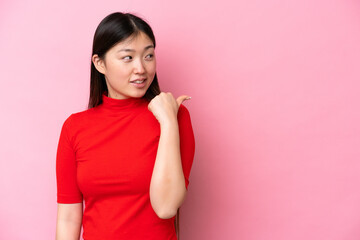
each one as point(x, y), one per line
point(113, 29)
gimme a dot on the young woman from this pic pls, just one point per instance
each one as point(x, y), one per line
point(129, 155)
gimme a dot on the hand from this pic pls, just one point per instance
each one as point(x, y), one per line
point(165, 107)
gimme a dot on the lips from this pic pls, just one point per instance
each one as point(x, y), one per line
point(139, 79)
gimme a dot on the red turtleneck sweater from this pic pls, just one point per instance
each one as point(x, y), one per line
point(106, 156)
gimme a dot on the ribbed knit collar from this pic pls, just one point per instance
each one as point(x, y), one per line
point(114, 106)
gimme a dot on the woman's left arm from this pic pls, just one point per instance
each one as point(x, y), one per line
point(167, 186)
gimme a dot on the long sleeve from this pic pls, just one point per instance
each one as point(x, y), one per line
point(67, 187)
point(187, 141)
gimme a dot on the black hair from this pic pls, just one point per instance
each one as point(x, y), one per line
point(115, 28)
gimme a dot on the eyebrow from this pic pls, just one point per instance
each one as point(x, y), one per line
point(132, 50)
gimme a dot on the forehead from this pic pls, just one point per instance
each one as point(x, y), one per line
point(137, 42)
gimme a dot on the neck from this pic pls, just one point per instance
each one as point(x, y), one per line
point(114, 107)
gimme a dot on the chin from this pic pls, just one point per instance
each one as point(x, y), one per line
point(138, 95)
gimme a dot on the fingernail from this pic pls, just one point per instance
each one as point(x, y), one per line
point(188, 98)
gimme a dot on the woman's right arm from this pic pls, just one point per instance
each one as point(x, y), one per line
point(69, 219)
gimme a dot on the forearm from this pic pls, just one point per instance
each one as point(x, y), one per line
point(167, 187)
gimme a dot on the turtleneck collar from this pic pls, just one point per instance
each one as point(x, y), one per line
point(114, 106)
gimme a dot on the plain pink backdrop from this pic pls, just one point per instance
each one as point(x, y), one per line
point(275, 111)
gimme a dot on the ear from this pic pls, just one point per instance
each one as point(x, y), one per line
point(98, 63)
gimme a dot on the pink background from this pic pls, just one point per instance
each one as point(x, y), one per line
point(275, 111)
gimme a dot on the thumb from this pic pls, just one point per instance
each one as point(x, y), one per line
point(182, 98)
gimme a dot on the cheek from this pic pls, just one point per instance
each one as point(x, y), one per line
point(152, 67)
point(120, 70)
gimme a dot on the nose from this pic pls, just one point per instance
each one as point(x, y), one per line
point(139, 67)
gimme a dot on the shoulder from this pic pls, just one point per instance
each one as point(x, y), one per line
point(183, 110)
point(77, 118)
point(183, 115)
point(82, 114)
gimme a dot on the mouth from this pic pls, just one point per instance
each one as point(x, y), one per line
point(139, 83)
point(139, 80)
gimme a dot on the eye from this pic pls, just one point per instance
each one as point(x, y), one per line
point(126, 57)
point(151, 55)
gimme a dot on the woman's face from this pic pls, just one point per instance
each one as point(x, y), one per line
point(125, 62)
